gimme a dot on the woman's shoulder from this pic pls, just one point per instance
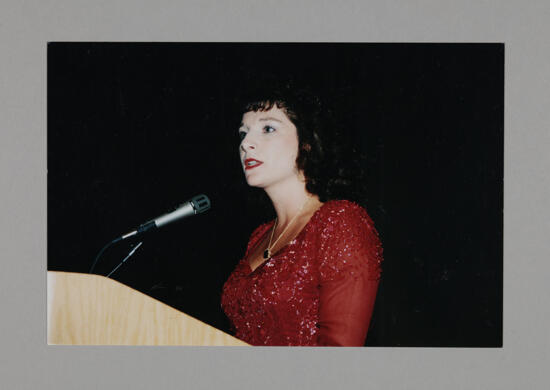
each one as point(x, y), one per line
point(341, 204)
point(349, 242)
point(342, 210)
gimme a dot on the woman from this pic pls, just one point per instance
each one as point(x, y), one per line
point(310, 276)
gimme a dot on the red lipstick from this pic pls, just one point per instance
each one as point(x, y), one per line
point(251, 163)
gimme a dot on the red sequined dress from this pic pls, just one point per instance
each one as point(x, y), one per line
point(317, 290)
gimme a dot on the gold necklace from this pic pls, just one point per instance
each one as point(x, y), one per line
point(267, 252)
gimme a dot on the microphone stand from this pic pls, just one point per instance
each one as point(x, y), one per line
point(126, 258)
point(132, 251)
point(103, 250)
point(142, 229)
point(197, 205)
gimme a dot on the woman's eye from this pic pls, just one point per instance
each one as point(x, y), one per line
point(269, 129)
point(242, 134)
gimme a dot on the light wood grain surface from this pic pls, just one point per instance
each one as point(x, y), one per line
point(86, 309)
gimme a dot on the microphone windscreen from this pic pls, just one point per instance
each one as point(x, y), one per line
point(201, 203)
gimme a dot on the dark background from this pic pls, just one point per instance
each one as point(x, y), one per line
point(136, 129)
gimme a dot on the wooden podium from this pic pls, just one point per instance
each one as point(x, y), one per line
point(85, 309)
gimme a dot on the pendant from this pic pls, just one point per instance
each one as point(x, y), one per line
point(267, 254)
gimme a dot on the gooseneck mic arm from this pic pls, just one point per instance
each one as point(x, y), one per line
point(126, 258)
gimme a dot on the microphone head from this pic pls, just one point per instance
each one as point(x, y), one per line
point(201, 203)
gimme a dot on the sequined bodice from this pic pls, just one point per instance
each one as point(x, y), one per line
point(301, 296)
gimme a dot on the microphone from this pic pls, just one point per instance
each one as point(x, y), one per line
point(197, 205)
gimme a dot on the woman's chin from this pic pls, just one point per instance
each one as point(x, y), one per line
point(254, 183)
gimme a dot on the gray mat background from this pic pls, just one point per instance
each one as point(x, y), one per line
point(28, 363)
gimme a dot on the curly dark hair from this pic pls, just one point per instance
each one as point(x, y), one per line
point(331, 164)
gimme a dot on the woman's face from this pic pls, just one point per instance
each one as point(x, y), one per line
point(269, 147)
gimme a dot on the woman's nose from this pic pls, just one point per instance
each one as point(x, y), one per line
point(248, 144)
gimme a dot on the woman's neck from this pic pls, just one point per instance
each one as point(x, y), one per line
point(289, 200)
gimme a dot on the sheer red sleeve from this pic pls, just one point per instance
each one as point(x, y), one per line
point(351, 255)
